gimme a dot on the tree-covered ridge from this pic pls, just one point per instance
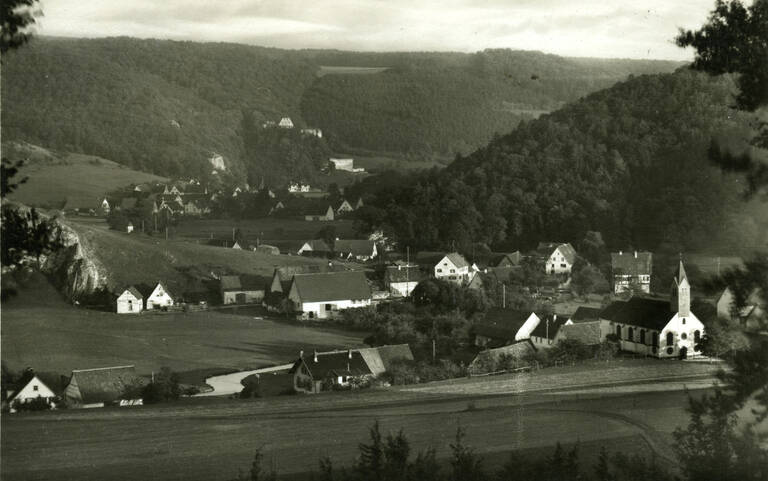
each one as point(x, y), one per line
point(629, 162)
point(164, 106)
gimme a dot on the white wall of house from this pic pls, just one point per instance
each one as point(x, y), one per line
point(402, 289)
point(622, 283)
point(447, 271)
point(329, 309)
point(247, 297)
point(525, 330)
point(159, 298)
point(557, 263)
point(127, 303)
point(33, 390)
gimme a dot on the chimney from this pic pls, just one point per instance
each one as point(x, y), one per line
point(349, 355)
point(635, 254)
point(315, 355)
point(301, 354)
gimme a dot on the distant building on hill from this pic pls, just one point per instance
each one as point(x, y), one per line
point(130, 301)
point(217, 162)
point(30, 388)
point(314, 132)
point(453, 267)
point(357, 249)
point(242, 289)
point(631, 270)
point(347, 165)
point(285, 123)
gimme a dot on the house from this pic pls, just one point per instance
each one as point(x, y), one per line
point(160, 298)
point(505, 259)
point(654, 326)
point(99, 387)
point(500, 327)
point(545, 334)
point(359, 203)
point(322, 295)
point(631, 271)
point(342, 164)
point(454, 268)
point(324, 371)
point(401, 280)
point(358, 249)
point(315, 132)
point(558, 257)
point(344, 207)
point(502, 358)
point(131, 301)
point(242, 289)
point(277, 207)
point(105, 206)
point(319, 212)
point(129, 227)
point(285, 123)
point(748, 316)
point(30, 388)
point(315, 247)
point(267, 249)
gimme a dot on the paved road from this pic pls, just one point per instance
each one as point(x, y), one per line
point(229, 384)
point(210, 439)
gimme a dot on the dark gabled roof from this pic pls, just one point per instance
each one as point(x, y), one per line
point(502, 273)
point(497, 258)
point(632, 263)
point(332, 286)
point(105, 384)
point(501, 324)
point(357, 247)
point(134, 291)
point(545, 249)
point(549, 326)
point(317, 245)
point(402, 274)
point(586, 332)
point(639, 311)
point(337, 363)
point(316, 209)
point(242, 283)
point(585, 314)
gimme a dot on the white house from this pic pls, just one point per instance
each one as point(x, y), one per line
point(315, 132)
point(631, 270)
point(285, 123)
point(358, 249)
point(343, 164)
point(130, 301)
point(32, 388)
point(317, 247)
point(105, 205)
point(454, 268)
point(322, 295)
point(400, 281)
point(656, 327)
point(160, 298)
point(558, 257)
point(344, 207)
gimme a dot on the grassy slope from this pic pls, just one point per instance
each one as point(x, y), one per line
point(42, 331)
point(136, 258)
point(77, 179)
point(265, 228)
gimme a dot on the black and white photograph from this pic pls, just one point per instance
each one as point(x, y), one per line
point(384, 240)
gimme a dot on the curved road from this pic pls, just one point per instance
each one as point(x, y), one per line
point(228, 384)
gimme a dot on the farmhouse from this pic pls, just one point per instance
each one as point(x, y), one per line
point(160, 298)
point(358, 249)
point(241, 289)
point(321, 372)
point(631, 271)
point(315, 247)
point(505, 259)
point(319, 212)
point(30, 389)
point(90, 388)
point(401, 280)
point(322, 295)
point(344, 207)
point(656, 327)
point(558, 257)
point(105, 206)
point(500, 327)
point(454, 268)
point(285, 123)
point(131, 301)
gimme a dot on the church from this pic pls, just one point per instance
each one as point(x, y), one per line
point(655, 327)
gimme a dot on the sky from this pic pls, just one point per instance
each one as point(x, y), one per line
point(590, 28)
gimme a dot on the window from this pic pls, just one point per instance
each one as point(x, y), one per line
point(329, 307)
point(34, 388)
point(683, 321)
point(696, 336)
point(630, 334)
point(453, 271)
point(642, 336)
point(655, 340)
point(562, 265)
point(684, 336)
point(439, 271)
point(670, 339)
point(618, 332)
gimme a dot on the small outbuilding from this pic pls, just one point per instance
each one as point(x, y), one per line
point(131, 301)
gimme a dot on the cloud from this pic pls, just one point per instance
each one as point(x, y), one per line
point(595, 28)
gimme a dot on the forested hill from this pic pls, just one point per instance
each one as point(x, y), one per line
point(164, 106)
point(630, 162)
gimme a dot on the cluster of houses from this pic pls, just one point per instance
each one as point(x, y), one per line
point(287, 123)
point(649, 326)
point(320, 210)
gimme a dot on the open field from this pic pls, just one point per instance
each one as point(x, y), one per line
point(341, 70)
point(136, 258)
point(208, 439)
point(265, 228)
point(77, 179)
point(51, 335)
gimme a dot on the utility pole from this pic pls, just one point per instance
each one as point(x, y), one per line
point(504, 296)
point(407, 269)
point(166, 232)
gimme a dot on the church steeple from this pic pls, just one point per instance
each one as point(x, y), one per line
point(683, 292)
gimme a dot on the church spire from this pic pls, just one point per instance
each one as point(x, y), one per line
point(683, 292)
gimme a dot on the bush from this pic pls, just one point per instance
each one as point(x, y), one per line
point(164, 388)
point(37, 404)
point(410, 372)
